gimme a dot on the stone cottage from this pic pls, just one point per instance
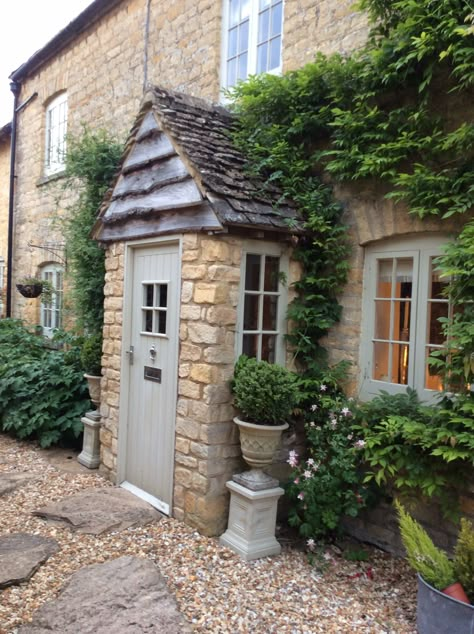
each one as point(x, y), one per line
point(195, 256)
point(95, 71)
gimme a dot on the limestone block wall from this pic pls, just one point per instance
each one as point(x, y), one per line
point(207, 450)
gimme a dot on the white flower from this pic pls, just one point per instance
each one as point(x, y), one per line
point(323, 387)
point(310, 462)
point(359, 444)
point(311, 544)
point(345, 411)
point(292, 459)
point(307, 474)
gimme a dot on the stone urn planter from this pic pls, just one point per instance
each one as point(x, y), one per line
point(438, 613)
point(259, 444)
point(93, 383)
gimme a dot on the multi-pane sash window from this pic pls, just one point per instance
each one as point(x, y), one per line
point(51, 312)
point(154, 308)
point(262, 309)
point(253, 38)
point(56, 128)
point(404, 301)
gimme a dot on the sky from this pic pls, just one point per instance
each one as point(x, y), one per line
point(25, 27)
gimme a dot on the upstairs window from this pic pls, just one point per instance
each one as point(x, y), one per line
point(252, 38)
point(56, 128)
point(51, 312)
point(403, 303)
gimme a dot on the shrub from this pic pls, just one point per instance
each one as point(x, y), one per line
point(43, 394)
point(327, 484)
point(419, 450)
point(422, 555)
point(91, 355)
point(464, 558)
point(265, 393)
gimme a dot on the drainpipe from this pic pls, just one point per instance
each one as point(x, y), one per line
point(145, 45)
point(15, 87)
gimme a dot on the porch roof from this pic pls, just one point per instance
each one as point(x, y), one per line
point(180, 156)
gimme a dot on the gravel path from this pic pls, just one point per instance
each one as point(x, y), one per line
point(215, 590)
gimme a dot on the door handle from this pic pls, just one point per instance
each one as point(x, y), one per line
point(152, 353)
point(130, 352)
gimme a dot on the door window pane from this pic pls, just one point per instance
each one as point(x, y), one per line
point(380, 361)
point(252, 272)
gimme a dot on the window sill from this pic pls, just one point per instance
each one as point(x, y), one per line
point(44, 180)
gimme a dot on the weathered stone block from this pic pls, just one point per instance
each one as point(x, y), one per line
point(202, 373)
point(189, 389)
point(203, 333)
point(217, 293)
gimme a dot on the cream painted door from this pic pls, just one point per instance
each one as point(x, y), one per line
point(151, 353)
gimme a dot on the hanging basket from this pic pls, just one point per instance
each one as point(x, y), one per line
point(30, 290)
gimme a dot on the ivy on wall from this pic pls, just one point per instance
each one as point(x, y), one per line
point(395, 112)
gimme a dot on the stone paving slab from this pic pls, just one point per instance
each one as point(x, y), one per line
point(10, 481)
point(96, 511)
point(21, 555)
point(124, 596)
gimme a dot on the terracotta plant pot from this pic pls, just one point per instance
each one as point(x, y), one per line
point(456, 591)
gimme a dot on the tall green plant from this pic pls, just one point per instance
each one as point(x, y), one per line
point(91, 161)
point(422, 555)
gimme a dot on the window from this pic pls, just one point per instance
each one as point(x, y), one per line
point(51, 317)
point(154, 308)
point(252, 38)
point(263, 306)
point(56, 127)
point(403, 301)
point(2, 282)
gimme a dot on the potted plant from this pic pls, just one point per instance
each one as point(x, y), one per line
point(91, 359)
point(443, 606)
point(32, 287)
point(266, 395)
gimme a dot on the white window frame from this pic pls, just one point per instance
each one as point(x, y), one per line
point(253, 41)
point(2, 282)
point(421, 249)
point(55, 139)
point(274, 250)
point(51, 313)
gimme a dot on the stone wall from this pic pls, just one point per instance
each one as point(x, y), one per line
point(103, 71)
point(207, 450)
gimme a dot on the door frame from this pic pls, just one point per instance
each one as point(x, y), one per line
point(130, 249)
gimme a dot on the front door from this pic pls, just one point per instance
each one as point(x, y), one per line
point(151, 358)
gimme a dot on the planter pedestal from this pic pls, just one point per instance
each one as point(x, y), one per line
point(90, 454)
point(252, 520)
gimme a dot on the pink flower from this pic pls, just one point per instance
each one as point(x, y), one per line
point(301, 496)
point(292, 459)
point(296, 480)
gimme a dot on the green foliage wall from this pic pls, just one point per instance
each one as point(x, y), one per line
point(396, 113)
point(91, 162)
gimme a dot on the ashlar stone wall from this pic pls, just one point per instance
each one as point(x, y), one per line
point(207, 450)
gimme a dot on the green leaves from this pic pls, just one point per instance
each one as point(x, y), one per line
point(42, 391)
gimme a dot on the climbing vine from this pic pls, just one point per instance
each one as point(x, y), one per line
point(395, 112)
